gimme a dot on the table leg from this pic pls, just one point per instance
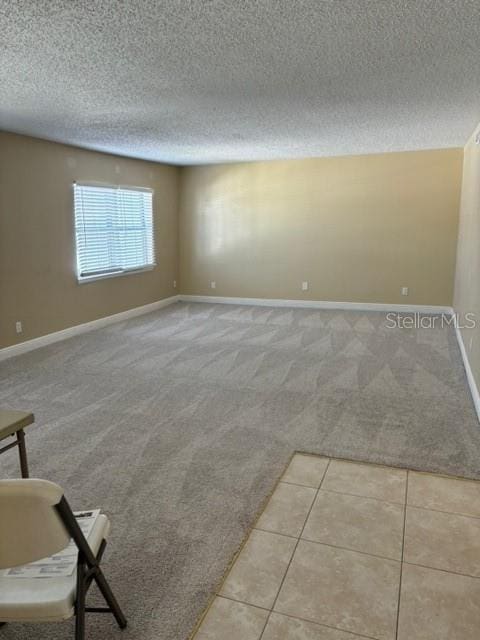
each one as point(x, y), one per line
point(23, 453)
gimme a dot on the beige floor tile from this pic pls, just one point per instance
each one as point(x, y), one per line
point(228, 620)
point(281, 627)
point(287, 509)
point(444, 494)
point(361, 524)
point(366, 480)
point(436, 605)
point(256, 576)
point(344, 589)
point(443, 541)
point(306, 470)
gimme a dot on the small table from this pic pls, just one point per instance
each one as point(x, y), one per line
point(12, 423)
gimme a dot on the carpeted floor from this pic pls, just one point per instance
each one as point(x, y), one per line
point(178, 424)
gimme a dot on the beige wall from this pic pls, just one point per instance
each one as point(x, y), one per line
point(467, 288)
point(37, 251)
point(356, 228)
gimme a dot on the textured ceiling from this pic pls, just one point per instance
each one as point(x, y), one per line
point(202, 81)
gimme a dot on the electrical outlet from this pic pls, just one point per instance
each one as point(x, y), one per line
point(404, 291)
point(304, 286)
point(18, 327)
point(174, 284)
point(213, 284)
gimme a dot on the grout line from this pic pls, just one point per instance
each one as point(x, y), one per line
point(294, 551)
point(403, 554)
point(447, 513)
point(363, 553)
point(322, 624)
point(358, 495)
point(455, 573)
point(276, 533)
point(249, 604)
point(288, 615)
point(298, 484)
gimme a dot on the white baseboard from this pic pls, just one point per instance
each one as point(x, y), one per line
point(42, 341)
point(468, 370)
point(320, 304)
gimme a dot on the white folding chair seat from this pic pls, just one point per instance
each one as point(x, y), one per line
point(45, 599)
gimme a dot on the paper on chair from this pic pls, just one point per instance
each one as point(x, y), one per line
point(63, 563)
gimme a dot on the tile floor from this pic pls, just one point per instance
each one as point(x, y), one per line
point(346, 551)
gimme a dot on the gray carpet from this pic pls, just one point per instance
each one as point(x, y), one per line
point(178, 424)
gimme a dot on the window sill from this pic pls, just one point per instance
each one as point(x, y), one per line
point(115, 274)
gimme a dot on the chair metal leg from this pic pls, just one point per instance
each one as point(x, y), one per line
point(110, 598)
point(22, 449)
point(80, 602)
point(88, 568)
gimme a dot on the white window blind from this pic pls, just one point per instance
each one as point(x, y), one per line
point(113, 229)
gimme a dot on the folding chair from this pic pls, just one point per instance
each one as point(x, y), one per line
point(37, 522)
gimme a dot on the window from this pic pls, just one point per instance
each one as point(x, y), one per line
point(113, 230)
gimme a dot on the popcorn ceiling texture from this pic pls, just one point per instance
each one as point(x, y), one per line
point(222, 80)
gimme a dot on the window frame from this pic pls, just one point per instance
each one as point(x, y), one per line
point(112, 274)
